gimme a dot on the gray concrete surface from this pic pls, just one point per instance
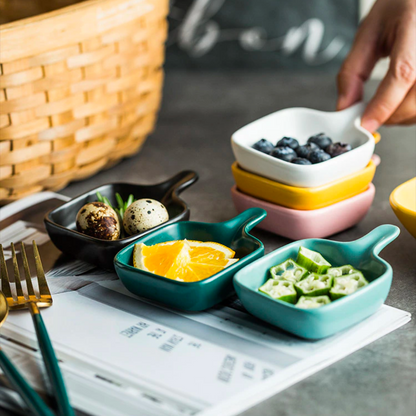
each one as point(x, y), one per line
point(199, 114)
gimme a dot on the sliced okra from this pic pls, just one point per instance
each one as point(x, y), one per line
point(346, 285)
point(312, 302)
point(312, 260)
point(314, 285)
point(288, 270)
point(280, 289)
point(341, 271)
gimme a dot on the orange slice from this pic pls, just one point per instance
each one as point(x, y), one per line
point(203, 270)
point(183, 260)
point(158, 258)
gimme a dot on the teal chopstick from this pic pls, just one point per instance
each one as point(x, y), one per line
point(29, 396)
point(51, 364)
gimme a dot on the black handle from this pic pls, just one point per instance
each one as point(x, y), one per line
point(178, 183)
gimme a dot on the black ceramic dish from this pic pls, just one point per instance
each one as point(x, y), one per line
point(60, 222)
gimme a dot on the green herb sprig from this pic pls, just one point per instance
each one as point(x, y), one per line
point(122, 206)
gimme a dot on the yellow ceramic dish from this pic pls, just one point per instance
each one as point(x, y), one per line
point(303, 198)
point(403, 202)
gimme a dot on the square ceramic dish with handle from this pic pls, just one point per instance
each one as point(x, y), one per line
point(301, 123)
point(62, 230)
point(194, 296)
point(339, 314)
point(316, 223)
point(303, 198)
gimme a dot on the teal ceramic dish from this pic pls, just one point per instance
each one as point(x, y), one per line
point(194, 296)
point(338, 315)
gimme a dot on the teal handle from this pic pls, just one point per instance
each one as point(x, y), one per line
point(52, 367)
point(377, 239)
point(247, 220)
point(29, 396)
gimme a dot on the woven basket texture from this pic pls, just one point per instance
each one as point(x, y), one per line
point(80, 87)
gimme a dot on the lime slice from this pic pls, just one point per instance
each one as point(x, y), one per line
point(312, 260)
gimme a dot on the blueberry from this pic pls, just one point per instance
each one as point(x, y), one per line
point(336, 149)
point(288, 141)
point(321, 139)
point(303, 151)
point(263, 146)
point(318, 156)
point(301, 161)
point(285, 153)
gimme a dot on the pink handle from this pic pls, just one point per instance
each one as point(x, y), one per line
point(376, 159)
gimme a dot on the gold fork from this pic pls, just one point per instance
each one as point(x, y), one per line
point(33, 303)
point(29, 396)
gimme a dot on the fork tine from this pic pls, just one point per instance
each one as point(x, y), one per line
point(43, 285)
point(4, 276)
point(19, 291)
point(29, 285)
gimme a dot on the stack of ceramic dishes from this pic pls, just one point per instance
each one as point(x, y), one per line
point(306, 201)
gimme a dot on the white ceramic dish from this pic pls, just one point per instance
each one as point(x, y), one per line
point(301, 123)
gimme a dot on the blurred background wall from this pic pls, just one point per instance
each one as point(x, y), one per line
point(295, 35)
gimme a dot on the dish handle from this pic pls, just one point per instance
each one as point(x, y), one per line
point(377, 239)
point(178, 183)
point(247, 220)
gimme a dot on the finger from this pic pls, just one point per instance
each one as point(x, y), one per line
point(398, 81)
point(358, 65)
point(406, 110)
point(408, 122)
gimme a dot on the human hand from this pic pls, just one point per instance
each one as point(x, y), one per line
point(388, 30)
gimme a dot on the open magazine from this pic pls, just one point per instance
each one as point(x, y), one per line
point(124, 355)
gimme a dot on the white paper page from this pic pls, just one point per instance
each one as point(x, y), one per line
point(182, 359)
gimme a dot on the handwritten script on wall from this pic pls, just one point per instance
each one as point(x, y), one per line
point(199, 30)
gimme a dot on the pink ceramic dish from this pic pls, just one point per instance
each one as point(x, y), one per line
point(318, 223)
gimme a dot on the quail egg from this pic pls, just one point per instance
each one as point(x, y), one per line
point(98, 220)
point(144, 214)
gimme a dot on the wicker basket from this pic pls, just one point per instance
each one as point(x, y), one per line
point(79, 89)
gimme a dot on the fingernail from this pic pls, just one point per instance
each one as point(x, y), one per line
point(370, 125)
